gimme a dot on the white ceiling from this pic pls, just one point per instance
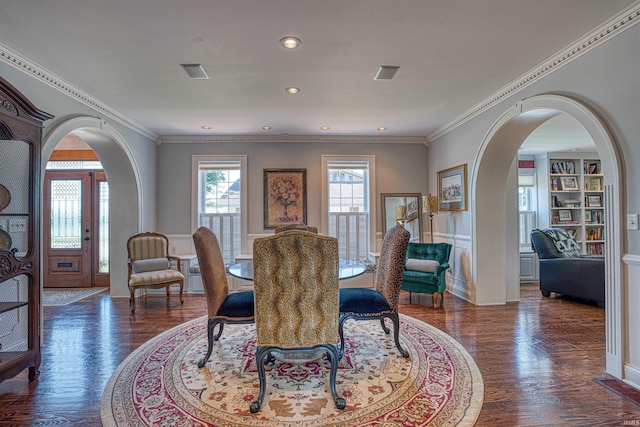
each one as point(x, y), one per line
point(452, 54)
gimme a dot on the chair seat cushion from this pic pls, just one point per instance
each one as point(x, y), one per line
point(362, 301)
point(426, 265)
point(238, 304)
point(153, 277)
point(420, 276)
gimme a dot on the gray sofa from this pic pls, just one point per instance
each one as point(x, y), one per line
point(563, 270)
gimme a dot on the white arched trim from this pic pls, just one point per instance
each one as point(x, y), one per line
point(53, 137)
point(125, 186)
point(490, 228)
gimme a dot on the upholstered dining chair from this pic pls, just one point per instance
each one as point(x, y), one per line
point(151, 266)
point(426, 270)
point(304, 227)
point(382, 302)
point(295, 277)
point(222, 307)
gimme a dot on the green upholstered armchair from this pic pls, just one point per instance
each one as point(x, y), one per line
point(425, 269)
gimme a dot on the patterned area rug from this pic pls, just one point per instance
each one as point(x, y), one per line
point(160, 383)
point(64, 296)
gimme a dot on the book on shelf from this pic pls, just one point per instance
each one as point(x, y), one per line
point(563, 168)
point(595, 249)
point(594, 217)
point(591, 168)
point(594, 233)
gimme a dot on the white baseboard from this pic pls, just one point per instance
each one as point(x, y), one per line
point(632, 376)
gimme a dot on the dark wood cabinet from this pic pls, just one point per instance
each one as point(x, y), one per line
point(20, 306)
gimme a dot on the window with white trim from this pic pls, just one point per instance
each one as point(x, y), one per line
point(219, 200)
point(347, 194)
point(527, 219)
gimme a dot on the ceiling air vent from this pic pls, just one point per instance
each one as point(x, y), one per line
point(386, 72)
point(195, 71)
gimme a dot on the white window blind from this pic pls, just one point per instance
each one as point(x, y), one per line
point(220, 204)
point(348, 207)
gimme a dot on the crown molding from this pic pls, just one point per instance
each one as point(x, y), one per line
point(612, 28)
point(16, 60)
point(344, 139)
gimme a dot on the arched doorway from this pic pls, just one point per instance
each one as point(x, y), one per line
point(495, 271)
point(124, 186)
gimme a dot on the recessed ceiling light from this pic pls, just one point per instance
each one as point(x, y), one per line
point(266, 127)
point(290, 42)
point(382, 129)
point(206, 127)
point(292, 90)
point(574, 149)
point(325, 127)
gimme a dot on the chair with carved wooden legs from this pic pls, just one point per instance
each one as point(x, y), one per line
point(150, 265)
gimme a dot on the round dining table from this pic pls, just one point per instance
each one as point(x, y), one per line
point(346, 269)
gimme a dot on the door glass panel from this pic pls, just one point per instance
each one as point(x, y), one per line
point(66, 214)
point(103, 227)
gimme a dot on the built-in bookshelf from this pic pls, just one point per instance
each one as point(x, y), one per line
point(575, 198)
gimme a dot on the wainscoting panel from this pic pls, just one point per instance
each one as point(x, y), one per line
point(459, 274)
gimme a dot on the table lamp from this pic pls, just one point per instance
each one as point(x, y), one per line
point(430, 206)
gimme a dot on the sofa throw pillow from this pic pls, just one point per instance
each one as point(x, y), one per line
point(151, 264)
point(426, 265)
point(563, 241)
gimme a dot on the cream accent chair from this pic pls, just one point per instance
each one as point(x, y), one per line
point(150, 265)
point(296, 301)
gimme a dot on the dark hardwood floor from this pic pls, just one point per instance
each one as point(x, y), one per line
point(537, 357)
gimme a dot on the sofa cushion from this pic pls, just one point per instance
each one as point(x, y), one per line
point(426, 265)
point(563, 241)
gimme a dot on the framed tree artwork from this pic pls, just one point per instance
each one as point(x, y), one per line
point(285, 197)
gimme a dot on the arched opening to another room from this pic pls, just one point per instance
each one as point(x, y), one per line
point(124, 186)
point(494, 230)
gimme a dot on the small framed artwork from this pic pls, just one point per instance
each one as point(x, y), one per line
point(564, 214)
point(569, 183)
point(452, 189)
point(594, 201)
point(285, 197)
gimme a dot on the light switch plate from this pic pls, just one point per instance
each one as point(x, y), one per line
point(632, 221)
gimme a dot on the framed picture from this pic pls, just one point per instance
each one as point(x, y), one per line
point(569, 183)
point(452, 189)
point(285, 197)
point(594, 201)
point(564, 214)
point(412, 209)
